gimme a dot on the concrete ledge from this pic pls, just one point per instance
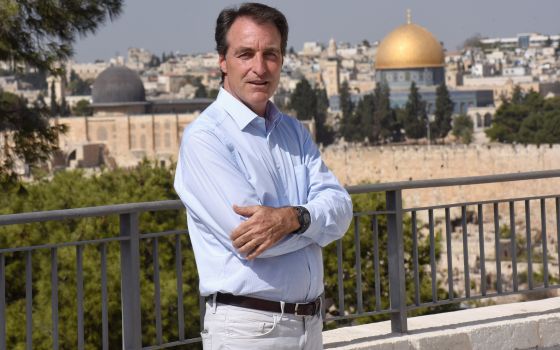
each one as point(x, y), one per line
point(527, 325)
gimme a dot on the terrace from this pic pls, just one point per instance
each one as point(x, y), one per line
point(114, 281)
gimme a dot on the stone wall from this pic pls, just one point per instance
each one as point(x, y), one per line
point(356, 165)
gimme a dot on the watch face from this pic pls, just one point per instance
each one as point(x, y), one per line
point(306, 218)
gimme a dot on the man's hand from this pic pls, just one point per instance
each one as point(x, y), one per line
point(264, 227)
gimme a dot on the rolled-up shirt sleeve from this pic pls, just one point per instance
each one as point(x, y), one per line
point(328, 203)
point(209, 183)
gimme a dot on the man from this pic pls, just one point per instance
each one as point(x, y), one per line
point(259, 199)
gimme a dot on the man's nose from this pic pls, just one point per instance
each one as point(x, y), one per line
point(259, 66)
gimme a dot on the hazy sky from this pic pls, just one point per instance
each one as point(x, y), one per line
point(187, 26)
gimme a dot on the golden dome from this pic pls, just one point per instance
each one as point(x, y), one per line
point(409, 46)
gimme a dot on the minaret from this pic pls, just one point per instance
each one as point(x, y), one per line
point(408, 16)
point(331, 49)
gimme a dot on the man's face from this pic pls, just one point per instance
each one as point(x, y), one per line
point(252, 62)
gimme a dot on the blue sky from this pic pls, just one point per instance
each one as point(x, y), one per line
point(187, 26)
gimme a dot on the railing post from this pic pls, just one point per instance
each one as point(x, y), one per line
point(130, 282)
point(395, 247)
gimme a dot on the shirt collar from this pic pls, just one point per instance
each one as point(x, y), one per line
point(243, 115)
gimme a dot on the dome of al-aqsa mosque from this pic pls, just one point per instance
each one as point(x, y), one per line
point(118, 84)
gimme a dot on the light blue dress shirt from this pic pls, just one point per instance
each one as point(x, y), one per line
point(229, 155)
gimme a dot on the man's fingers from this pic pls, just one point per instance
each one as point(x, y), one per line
point(246, 211)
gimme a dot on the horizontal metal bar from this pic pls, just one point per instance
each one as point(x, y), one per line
point(55, 215)
point(174, 344)
point(66, 244)
point(373, 212)
point(365, 314)
point(105, 210)
point(459, 181)
point(490, 201)
point(162, 234)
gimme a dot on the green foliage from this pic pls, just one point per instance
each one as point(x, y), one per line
point(325, 133)
point(311, 103)
point(364, 115)
point(463, 128)
point(384, 115)
point(83, 108)
point(41, 33)
point(350, 124)
point(37, 80)
point(200, 91)
point(414, 118)
point(74, 190)
point(527, 119)
point(27, 135)
point(303, 100)
point(78, 86)
point(443, 113)
point(474, 41)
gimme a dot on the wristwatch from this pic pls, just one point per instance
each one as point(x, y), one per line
point(304, 219)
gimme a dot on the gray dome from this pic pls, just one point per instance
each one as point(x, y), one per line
point(118, 84)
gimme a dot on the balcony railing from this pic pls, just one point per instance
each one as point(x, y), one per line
point(379, 280)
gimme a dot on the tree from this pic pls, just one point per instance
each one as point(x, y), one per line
point(443, 113)
point(41, 33)
point(384, 115)
point(512, 113)
point(200, 91)
point(78, 86)
point(415, 117)
point(350, 127)
point(83, 108)
point(54, 104)
point(25, 135)
point(463, 128)
point(473, 41)
point(364, 114)
point(303, 100)
point(325, 133)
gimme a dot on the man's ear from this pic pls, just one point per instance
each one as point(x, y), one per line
point(222, 61)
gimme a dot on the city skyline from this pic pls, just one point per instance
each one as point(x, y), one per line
point(187, 27)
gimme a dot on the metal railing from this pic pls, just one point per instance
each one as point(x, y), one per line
point(381, 281)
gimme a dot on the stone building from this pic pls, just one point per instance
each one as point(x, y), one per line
point(125, 127)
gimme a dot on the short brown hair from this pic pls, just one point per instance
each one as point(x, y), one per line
point(260, 13)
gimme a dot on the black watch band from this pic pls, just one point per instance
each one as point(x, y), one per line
point(304, 219)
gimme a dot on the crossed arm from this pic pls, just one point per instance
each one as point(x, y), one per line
point(220, 199)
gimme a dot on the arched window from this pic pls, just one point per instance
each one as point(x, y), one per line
point(487, 120)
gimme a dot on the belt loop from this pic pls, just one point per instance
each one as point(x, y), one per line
point(214, 304)
point(282, 304)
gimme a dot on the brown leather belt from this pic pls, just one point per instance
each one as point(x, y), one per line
point(303, 309)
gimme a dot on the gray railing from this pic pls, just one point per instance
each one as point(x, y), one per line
point(380, 280)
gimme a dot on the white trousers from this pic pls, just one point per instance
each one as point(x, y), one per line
point(231, 327)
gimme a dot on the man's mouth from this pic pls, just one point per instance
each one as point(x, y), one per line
point(258, 82)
